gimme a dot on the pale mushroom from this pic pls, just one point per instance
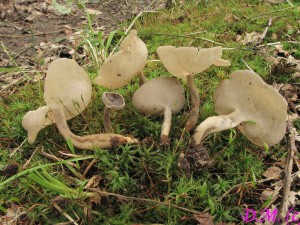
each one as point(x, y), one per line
point(67, 92)
point(160, 96)
point(185, 63)
point(122, 66)
point(245, 101)
point(112, 101)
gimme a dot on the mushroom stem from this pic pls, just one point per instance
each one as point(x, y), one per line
point(195, 100)
point(106, 140)
point(165, 129)
point(107, 123)
point(217, 123)
point(142, 77)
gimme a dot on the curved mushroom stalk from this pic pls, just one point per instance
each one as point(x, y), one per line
point(185, 63)
point(36, 120)
point(106, 140)
point(160, 96)
point(112, 101)
point(125, 64)
point(67, 92)
point(216, 124)
point(244, 98)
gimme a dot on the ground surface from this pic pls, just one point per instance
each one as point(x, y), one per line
point(147, 183)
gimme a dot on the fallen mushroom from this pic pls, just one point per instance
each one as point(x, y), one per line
point(112, 101)
point(160, 96)
point(245, 101)
point(185, 63)
point(122, 66)
point(67, 92)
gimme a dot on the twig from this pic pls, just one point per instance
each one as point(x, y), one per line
point(288, 171)
point(88, 168)
point(143, 200)
point(268, 13)
point(53, 157)
point(30, 158)
point(65, 214)
point(15, 219)
point(16, 149)
point(262, 37)
point(247, 65)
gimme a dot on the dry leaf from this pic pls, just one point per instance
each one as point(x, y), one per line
point(268, 192)
point(273, 172)
point(250, 38)
point(204, 218)
point(293, 197)
point(94, 12)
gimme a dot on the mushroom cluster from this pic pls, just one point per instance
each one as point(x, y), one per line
point(185, 63)
point(244, 101)
point(67, 93)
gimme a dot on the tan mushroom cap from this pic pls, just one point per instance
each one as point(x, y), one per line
point(184, 61)
point(258, 102)
point(156, 94)
point(69, 85)
point(122, 66)
point(66, 84)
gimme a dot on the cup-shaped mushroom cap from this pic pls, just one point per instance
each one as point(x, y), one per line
point(69, 85)
point(263, 109)
point(156, 94)
point(184, 61)
point(113, 100)
point(122, 66)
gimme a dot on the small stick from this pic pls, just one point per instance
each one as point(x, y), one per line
point(65, 214)
point(143, 200)
point(288, 171)
point(262, 37)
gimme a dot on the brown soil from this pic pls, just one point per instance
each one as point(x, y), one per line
point(32, 30)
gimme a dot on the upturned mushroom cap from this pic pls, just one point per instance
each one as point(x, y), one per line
point(258, 102)
point(122, 66)
point(245, 101)
point(113, 100)
point(69, 85)
point(156, 94)
point(184, 61)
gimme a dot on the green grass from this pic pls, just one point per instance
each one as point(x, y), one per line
point(149, 170)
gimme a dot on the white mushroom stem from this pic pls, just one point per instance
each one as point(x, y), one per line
point(142, 78)
point(217, 123)
point(165, 129)
point(107, 123)
point(106, 140)
point(195, 102)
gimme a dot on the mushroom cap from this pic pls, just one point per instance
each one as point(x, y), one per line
point(122, 66)
point(184, 61)
point(156, 94)
point(258, 102)
point(68, 85)
point(113, 100)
